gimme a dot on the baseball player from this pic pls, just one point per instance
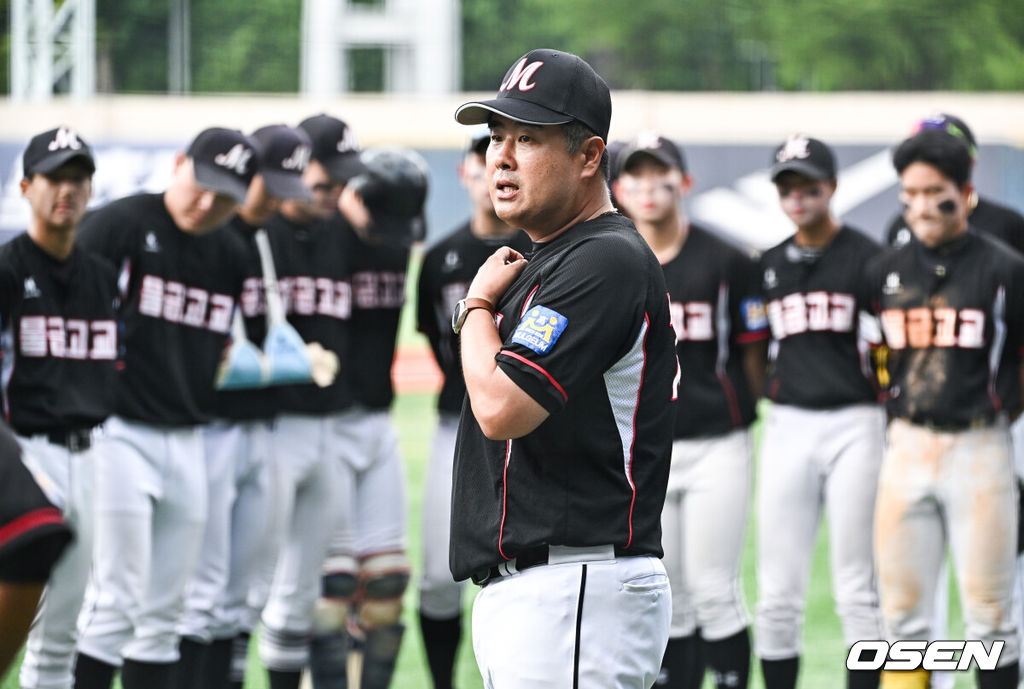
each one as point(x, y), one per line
point(984, 214)
point(59, 340)
point(314, 271)
point(242, 531)
point(448, 267)
point(33, 535)
point(951, 310)
point(367, 570)
point(179, 281)
point(563, 448)
point(822, 442)
point(721, 333)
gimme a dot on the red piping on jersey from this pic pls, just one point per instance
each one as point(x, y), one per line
point(529, 298)
point(632, 441)
point(28, 522)
point(504, 497)
point(752, 336)
point(730, 395)
point(565, 397)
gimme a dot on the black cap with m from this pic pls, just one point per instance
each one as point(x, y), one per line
point(53, 148)
point(805, 156)
point(334, 146)
point(224, 161)
point(284, 154)
point(546, 87)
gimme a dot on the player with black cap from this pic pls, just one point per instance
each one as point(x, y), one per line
point(314, 273)
point(33, 535)
point(721, 333)
point(448, 268)
point(242, 531)
point(179, 277)
point(59, 348)
point(367, 569)
point(822, 442)
point(563, 449)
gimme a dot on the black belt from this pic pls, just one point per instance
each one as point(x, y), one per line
point(541, 555)
point(954, 426)
point(76, 440)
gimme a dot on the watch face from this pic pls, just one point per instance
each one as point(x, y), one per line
point(458, 316)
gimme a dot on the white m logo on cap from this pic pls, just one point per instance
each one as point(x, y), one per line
point(521, 74)
point(65, 138)
point(237, 159)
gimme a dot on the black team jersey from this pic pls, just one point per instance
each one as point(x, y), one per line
point(313, 270)
point(378, 294)
point(178, 292)
point(586, 334)
point(716, 309)
point(253, 404)
point(999, 221)
point(952, 318)
point(58, 331)
point(813, 299)
point(448, 269)
point(32, 532)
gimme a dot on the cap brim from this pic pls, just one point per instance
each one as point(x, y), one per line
point(799, 167)
point(285, 185)
point(54, 161)
point(215, 179)
point(397, 229)
point(513, 108)
point(344, 167)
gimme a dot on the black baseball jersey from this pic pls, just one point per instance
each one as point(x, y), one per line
point(313, 271)
point(378, 294)
point(952, 318)
point(813, 300)
point(178, 291)
point(58, 331)
point(999, 221)
point(716, 308)
point(447, 271)
point(586, 334)
point(32, 532)
point(251, 404)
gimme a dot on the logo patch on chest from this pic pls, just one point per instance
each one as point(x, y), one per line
point(539, 329)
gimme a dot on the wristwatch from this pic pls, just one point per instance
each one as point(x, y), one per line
point(463, 308)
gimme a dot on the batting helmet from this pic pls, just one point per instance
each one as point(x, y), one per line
point(394, 188)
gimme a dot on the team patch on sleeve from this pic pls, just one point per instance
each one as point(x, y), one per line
point(753, 314)
point(539, 329)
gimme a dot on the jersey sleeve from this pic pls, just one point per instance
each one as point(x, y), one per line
point(746, 305)
point(8, 285)
point(32, 533)
point(585, 315)
point(98, 233)
point(425, 318)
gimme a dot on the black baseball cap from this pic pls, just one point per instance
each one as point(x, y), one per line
point(547, 87)
point(951, 124)
point(479, 140)
point(334, 146)
point(393, 187)
point(48, 151)
point(224, 160)
point(806, 156)
point(284, 154)
point(649, 144)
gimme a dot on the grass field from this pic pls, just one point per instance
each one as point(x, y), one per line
point(823, 661)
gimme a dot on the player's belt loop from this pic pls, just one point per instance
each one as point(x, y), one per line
point(75, 440)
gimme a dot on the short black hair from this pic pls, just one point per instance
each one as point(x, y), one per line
point(946, 153)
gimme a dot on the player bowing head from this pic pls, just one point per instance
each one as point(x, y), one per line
point(210, 179)
point(935, 187)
